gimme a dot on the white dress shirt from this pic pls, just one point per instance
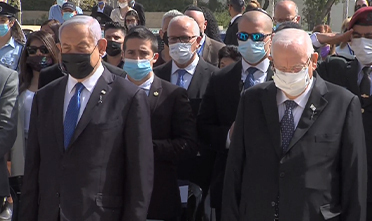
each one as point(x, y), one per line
point(234, 18)
point(145, 85)
point(300, 101)
point(260, 75)
point(190, 69)
point(89, 85)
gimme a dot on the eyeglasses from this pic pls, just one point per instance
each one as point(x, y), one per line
point(33, 49)
point(294, 69)
point(285, 20)
point(243, 36)
point(182, 39)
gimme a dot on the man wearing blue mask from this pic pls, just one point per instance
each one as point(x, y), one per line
point(220, 102)
point(68, 10)
point(102, 7)
point(55, 11)
point(285, 10)
point(172, 122)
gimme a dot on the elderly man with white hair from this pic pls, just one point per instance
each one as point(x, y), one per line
point(298, 150)
point(90, 152)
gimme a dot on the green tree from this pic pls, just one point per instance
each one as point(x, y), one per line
point(316, 12)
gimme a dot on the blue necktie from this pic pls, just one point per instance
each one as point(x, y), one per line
point(180, 80)
point(287, 124)
point(72, 114)
point(249, 80)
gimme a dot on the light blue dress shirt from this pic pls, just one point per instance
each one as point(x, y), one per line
point(55, 12)
point(10, 54)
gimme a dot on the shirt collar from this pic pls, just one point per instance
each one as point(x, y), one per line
point(234, 18)
point(262, 66)
point(11, 42)
point(190, 68)
point(88, 83)
point(300, 100)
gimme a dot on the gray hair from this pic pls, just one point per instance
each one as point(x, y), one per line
point(195, 26)
point(170, 14)
point(93, 26)
point(290, 36)
point(282, 1)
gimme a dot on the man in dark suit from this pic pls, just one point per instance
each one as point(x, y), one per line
point(289, 149)
point(102, 7)
point(355, 76)
point(209, 48)
point(8, 125)
point(220, 102)
point(140, 10)
point(172, 122)
point(89, 155)
point(236, 8)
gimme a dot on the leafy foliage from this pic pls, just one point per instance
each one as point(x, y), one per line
point(316, 11)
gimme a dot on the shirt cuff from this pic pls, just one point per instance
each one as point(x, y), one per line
point(228, 141)
point(315, 41)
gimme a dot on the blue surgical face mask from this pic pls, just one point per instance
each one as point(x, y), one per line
point(4, 28)
point(252, 51)
point(67, 15)
point(137, 69)
point(60, 2)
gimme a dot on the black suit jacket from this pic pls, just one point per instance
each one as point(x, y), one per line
point(321, 177)
point(230, 38)
point(216, 115)
point(107, 10)
point(174, 138)
point(344, 72)
point(106, 172)
point(141, 13)
point(54, 72)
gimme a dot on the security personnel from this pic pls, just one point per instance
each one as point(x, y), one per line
point(12, 39)
point(355, 75)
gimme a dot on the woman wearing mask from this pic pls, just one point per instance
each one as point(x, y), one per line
point(131, 20)
point(327, 49)
point(118, 14)
point(344, 49)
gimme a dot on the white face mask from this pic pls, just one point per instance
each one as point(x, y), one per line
point(292, 84)
point(181, 52)
point(362, 48)
point(123, 5)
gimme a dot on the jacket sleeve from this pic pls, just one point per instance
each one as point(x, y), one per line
point(139, 159)
point(353, 165)
point(231, 194)
point(8, 113)
point(183, 143)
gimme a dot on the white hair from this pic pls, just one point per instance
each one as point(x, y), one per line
point(195, 26)
point(170, 14)
point(296, 9)
point(93, 26)
point(292, 36)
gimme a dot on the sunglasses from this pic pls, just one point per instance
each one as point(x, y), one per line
point(243, 36)
point(33, 49)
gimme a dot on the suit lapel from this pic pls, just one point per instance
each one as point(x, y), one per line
point(352, 76)
point(155, 93)
point(96, 98)
point(197, 79)
point(314, 107)
point(270, 108)
point(57, 108)
point(166, 72)
point(270, 73)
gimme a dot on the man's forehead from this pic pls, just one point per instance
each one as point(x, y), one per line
point(179, 26)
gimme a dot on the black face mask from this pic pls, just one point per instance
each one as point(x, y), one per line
point(77, 65)
point(39, 62)
point(113, 48)
point(165, 39)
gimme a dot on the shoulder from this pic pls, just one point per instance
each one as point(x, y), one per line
point(206, 65)
point(235, 67)
point(54, 7)
point(6, 72)
point(337, 92)
point(216, 44)
point(163, 66)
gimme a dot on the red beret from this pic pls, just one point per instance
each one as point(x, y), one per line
point(361, 17)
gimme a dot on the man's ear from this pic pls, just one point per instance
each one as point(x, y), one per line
point(314, 60)
point(205, 25)
point(298, 19)
point(102, 44)
point(161, 33)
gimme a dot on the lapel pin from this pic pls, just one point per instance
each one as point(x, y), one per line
point(364, 96)
point(156, 93)
point(103, 92)
point(313, 108)
point(362, 110)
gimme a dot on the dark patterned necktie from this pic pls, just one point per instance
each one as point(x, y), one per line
point(365, 83)
point(287, 124)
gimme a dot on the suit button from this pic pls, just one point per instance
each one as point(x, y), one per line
point(57, 194)
point(282, 174)
point(273, 203)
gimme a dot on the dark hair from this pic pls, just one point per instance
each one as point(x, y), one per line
point(251, 5)
point(143, 33)
point(238, 5)
point(229, 51)
point(288, 24)
point(26, 73)
point(193, 8)
point(131, 13)
point(212, 30)
point(54, 25)
point(356, 7)
point(114, 25)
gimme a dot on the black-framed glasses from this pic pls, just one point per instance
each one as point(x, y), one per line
point(243, 36)
point(182, 39)
point(33, 49)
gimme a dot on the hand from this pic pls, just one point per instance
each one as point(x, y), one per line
point(231, 130)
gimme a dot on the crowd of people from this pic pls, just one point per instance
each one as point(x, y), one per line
point(101, 121)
